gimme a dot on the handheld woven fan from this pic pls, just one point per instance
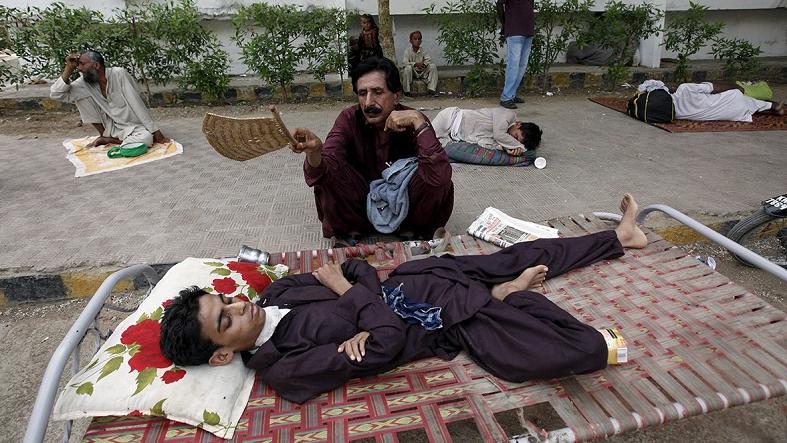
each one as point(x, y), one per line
point(243, 139)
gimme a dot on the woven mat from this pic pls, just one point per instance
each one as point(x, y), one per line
point(94, 160)
point(697, 343)
point(759, 122)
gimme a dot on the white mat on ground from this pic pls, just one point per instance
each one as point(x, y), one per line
point(94, 160)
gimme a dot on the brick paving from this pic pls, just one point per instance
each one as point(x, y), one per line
point(202, 204)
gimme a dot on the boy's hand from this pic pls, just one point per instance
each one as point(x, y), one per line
point(355, 348)
point(332, 277)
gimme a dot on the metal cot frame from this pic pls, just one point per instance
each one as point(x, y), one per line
point(88, 321)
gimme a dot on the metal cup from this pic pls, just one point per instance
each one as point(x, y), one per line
point(248, 254)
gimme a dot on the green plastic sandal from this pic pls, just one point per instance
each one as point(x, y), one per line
point(132, 150)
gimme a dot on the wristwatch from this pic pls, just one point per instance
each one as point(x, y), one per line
point(422, 127)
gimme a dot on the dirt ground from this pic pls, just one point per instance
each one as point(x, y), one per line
point(20, 376)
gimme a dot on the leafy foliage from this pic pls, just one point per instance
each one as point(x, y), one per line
point(269, 39)
point(325, 45)
point(619, 29)
point(155, 42)
point(557, 23)
point(687, 34)
point(54, 33)
point(466, 29)
point(739, 57)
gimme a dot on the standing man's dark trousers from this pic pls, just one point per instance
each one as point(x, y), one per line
point(341, 204)
point(527, 336)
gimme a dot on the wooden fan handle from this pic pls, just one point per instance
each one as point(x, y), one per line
point(283, 128)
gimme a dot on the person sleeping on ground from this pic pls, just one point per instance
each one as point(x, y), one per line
point(108, 99)
point(310, 333)
point(490, 128)
point(714, 101)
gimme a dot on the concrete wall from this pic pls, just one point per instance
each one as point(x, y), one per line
point(762, 22)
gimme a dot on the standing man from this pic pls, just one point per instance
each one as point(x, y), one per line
point(516, 17)
point(365, 140)
point(417, 64)
point(108, 99)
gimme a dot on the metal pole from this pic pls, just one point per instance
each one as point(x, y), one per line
point(748, 255)
point(39, 418)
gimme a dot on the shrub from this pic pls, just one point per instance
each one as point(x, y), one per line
point(56, 32)
point(268, 38)
point(687, 34)
point(466, 29)
point(185, 49)
point(619, 29)
point(208, 73)
point(325, 45)
point(556, 25)
point(14, 25)
point(158, 42)
point(739, 57)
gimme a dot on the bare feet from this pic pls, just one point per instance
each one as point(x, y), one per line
point(529, 278)
point(778, 108)
point(629, 234)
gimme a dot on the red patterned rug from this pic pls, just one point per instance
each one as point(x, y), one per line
point(697, 343)
point(760, 122)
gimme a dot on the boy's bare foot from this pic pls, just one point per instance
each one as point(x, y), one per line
point(529, 278)
point(629, 234)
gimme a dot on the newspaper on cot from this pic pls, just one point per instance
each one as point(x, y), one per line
point(494, 226)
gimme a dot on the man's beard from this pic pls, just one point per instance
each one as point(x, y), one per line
point(90, 76)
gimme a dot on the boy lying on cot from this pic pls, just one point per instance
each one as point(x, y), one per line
point(310, 333)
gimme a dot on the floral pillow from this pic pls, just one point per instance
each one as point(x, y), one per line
point(130, 376)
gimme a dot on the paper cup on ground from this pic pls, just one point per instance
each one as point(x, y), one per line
point(540, 162)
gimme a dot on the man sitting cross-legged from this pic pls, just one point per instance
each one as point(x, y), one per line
point(310, 333)
point(365, 140)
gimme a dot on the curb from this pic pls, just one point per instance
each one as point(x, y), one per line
point(67, 284)
point(72, 284)
point(313, 91)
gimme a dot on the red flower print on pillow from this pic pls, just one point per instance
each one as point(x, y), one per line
point(173, 375)
point(242, 267)
point(225, 285)
point(250, 274)
point(146, 335)
point(256, 280)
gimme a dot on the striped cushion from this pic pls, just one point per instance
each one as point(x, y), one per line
point(475, 154)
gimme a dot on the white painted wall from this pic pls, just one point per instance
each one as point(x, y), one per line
point(762, 22)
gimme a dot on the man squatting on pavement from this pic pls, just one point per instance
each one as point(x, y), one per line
point(311, 333)
point(108, 99)
point(366, 139)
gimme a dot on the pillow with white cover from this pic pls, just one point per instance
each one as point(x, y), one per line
point(130, 376)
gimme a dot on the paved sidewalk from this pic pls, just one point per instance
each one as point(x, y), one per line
point(202, 204)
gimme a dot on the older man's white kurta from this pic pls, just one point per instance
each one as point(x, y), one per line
point(122, 112)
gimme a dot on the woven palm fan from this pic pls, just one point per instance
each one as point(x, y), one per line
point(243, 139)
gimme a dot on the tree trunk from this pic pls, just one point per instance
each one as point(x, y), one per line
point(386, 30)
